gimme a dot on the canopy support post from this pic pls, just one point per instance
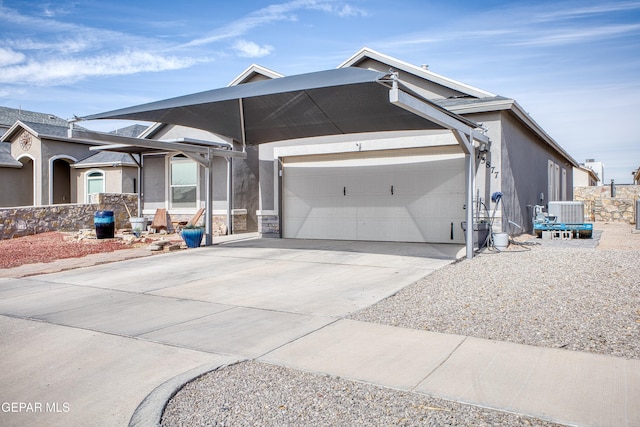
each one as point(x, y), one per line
point(140, 164)
point(208, 178)
point(471, 174)
point(229, 196)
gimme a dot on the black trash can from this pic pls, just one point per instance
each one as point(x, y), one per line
point(105, 224)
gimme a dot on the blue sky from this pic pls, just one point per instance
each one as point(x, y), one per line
point(573, 65)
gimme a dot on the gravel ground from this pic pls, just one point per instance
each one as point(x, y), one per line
point(258, 394)
point(556, 294)
point(560, 294)
point(577, 299)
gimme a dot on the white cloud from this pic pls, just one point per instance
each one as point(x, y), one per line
point(588, 10)
point(57, 71)
point(247, 49)
point(10, 57)
point(275, 13)
point(573, 35)
point(340, 9)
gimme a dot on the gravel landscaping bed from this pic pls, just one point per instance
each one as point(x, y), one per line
point(258, 394)
point(51, 246)
point(571, 298)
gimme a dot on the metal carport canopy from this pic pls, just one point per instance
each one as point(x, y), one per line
point(332, 102)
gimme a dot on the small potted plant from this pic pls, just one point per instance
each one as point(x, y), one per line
point(192, 235)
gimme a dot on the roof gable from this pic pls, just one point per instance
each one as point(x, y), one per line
point(366, 58)
point(255, 73)
point(39, 130)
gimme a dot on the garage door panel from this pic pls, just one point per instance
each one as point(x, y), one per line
point(427, 197)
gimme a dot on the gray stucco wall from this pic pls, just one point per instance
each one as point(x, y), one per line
point(154, 182)
point(524, 166)
point(427, 89)
point(16, 185)
point(57, 149)
point(219, 171)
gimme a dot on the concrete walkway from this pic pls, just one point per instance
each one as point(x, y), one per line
point(87, 346)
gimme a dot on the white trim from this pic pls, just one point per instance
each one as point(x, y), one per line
point(35, 175)
point(518, 111)
point(365, 52)
point(168, 183)
point(434, 139)
point(51, 160)
point(254, 69)
point(86, 183)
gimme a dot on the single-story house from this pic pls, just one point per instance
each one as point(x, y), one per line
point(584, 177)
point(41, 165)
point(321, 163)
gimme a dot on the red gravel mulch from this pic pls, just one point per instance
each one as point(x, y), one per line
point(47, 247)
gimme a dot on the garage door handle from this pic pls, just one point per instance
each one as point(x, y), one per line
point(344, 191)
point(392, 190)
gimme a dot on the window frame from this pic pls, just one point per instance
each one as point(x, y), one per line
point(91, 176)
point(177, 159)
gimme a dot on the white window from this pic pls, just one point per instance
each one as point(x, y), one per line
point(564, 184)
point(184, 182)
point(95, 183)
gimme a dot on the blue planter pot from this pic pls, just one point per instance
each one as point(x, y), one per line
point(192, 236)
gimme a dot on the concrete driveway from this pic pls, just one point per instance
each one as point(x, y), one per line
point(86, 346)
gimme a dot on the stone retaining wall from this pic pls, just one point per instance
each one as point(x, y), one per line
point(600, 206)
point(23, 221)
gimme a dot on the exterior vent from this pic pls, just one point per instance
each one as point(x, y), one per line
point(567, 212)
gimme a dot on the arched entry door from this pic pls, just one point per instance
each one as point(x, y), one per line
point(61, 181)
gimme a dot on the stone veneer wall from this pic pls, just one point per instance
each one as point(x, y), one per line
point(600, 206)
point(269, 225)
point(23, 221)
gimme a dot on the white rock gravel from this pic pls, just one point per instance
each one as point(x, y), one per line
point(257, 394)
point(552, 295)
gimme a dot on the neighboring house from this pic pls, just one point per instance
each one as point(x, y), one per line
point(404, 185)
point(636, 176)
point(48, 167)
point(8, 116)
point(103, 172)
point(584, 177)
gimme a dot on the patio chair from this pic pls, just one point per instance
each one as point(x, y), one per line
point(193, 221)
point(159, 220)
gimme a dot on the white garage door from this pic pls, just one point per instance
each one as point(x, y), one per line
point(404, 196)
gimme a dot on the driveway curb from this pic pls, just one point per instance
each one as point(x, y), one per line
point(149, 411)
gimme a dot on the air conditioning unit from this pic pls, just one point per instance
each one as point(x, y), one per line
point(567, 212)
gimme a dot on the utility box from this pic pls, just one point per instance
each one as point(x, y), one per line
point(480, 233)
point(567, 212)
